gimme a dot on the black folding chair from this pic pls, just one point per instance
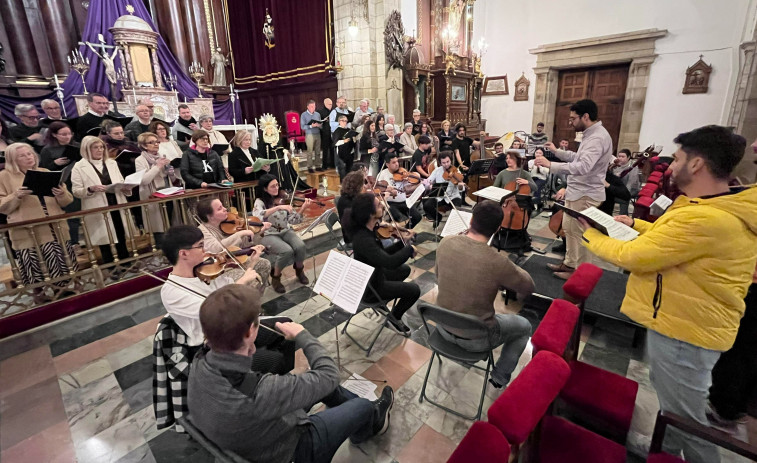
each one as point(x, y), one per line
point(443, 348)
point(221, 456)
point(380, 308)
point(341, 245)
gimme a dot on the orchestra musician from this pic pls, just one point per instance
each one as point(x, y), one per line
point(422, 156)
point(390, 268)
point(452, 196)
point(183, 293)
point(514, 172)
point(399, 190)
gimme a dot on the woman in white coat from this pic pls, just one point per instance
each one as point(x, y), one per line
point(158, 175)
point(89, 179)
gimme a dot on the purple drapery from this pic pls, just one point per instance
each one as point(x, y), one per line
point(101, 16)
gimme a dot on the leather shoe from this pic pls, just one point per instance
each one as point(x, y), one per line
point(559, 267)
point(563, 275)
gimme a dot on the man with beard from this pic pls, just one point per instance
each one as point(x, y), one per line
point(184, 127)
point(690, 271)
point(586, 171)
point(326, 150)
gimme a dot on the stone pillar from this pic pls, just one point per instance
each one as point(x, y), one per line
point(20, 40)
point(743, 113)
point(545, 96)
point(633, 106)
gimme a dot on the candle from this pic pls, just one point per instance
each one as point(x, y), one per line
point(69, 59)
point(134, 94)
point(56, 80)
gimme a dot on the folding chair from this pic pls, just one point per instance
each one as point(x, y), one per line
point(221, 456)
point(378, 307)
point(443, 348)
point(341, 245)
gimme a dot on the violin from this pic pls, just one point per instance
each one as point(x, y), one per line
point(234, 223)
point(284, 199)
point(403, 175)
point(386, 231)
point(381, 188)
point(215, 264)
point(453, 175)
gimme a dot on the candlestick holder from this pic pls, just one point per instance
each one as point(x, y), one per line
point(171, 80)
point(80, 64)
point(197, 73)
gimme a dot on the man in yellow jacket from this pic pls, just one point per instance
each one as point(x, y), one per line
point(690, 271)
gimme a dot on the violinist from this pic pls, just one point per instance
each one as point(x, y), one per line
point(183, 293)
point(212, 213)
point(514, 172)
point(422, 156)
point(398, 192)
point(390, 268)
point(283, 243)
point(500, 160)
point(454, 186)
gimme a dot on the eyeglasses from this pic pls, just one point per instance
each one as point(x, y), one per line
point(31, 117)
point(197, 246)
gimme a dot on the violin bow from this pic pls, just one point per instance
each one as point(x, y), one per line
point(226, 250)
point(457, 211)
point(391, 219)
point(192, 291)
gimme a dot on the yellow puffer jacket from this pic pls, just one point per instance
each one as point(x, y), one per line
point(690, 270)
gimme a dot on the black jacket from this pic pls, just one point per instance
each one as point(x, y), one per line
point(368, 250)
point(237, 163)
point(616, 190)
point(193, 170)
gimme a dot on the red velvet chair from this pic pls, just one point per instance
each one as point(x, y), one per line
point(483, 443)
point(556, 328)
point(561, 441)
point(603, 400)
point(294, 130)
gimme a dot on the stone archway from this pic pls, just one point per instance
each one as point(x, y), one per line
point(637, 48)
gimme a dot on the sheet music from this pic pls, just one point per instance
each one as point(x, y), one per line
point(660, 205)
point(360, 387)
point(170, 190)
point(415, 196)
point(494, 193)
point(615, 229)
point(456, 223)
point(343, 280)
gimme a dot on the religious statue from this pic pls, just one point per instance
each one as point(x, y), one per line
point(219, 63)
point(110, 67)
point(268, 31)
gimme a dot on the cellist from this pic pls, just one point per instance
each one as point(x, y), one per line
point(455, 186)
point(514, 172)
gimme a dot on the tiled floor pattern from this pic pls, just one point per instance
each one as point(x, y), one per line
point(87, 397)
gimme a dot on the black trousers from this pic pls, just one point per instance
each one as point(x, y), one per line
point(734, 376)
point(273, 353)
point(121, 249)
point(395, 287)
point(430, 207)
point(400, 211)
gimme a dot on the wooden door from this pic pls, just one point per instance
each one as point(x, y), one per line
point(605, 85)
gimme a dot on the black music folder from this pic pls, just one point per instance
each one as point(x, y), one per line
point(42, 182)
point(387, 145)
point(220, 148)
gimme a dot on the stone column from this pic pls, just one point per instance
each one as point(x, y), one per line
point(545, 95)
point(743, 113)
point(633, 106)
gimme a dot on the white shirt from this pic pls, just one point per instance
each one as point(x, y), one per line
point(401, 196)
point(437, 176)
point(184, 306)
point(246, 152)
point(542, 173)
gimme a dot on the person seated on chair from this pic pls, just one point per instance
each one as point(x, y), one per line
point(514, 172)
point(398, 192)
point(352, 185)
point(615, 190)
point(500, 160)
point(422, 157)
point(431, 205)
point(212, 213)
point(538, 175)
point(263, 417)
point(390, 268)
point(471, 285)
point(183, 293)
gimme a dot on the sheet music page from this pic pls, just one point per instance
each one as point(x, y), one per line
point(170, 190)
point(135, 178)
point(331, 274)
point(415, 196)
point(350, 291)
point(360, 387)
point(492, 192)
point(456, 223)
point(615, 229)
point(660, 205)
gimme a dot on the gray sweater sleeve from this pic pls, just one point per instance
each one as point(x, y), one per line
point(277, 395)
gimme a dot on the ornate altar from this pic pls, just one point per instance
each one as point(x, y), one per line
point(417, 94)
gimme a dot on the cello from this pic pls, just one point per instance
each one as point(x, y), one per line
point(514, 214)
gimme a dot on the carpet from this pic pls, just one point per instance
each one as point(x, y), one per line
point(605, 300)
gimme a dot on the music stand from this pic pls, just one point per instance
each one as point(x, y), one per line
point(480, 167)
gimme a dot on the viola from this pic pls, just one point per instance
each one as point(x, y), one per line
point(235, 223)
point(386, 231)
point(284, 199)
point(381, 188)
point(453, 175)
point(403, 175)
point(215, 264)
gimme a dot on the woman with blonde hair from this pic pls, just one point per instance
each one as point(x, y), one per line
point(446, 135)
point(242, 157)
point(159, 174)
point(18, 203)
point(90, 178)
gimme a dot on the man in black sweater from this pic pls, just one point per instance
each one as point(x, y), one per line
point(326, 144)
point(98, 108)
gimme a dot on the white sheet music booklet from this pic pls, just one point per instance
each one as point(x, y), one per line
point(343, 281)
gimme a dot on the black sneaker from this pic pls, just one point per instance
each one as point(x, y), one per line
point(397, 324)
point(383, 407)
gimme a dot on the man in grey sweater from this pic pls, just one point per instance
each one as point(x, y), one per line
point(470, 284)
point(263, 417)
point(586, 171)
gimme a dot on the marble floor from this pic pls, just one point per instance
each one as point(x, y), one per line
point(81, 389)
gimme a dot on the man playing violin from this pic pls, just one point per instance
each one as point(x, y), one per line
point(398, 192)
point(454, 187)
point(422, 156)
point(183, 293)
point(212, 214)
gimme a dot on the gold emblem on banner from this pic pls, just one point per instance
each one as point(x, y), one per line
point(270, 129)
point(268, 31)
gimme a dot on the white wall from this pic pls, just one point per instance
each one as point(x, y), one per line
point(712, 28)
point(409, 13)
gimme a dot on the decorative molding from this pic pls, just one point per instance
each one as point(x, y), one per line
point(697, 77)
point(521, 88)
point(394, 41)
point(644, 34)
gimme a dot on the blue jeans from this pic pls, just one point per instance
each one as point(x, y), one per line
point(511, 331)
point(347, 416)
point(680, 373)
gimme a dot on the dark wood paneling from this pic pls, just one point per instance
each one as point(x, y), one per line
point(290, 97)
point(171, 24)
point(20, 39)
point(60, 30)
